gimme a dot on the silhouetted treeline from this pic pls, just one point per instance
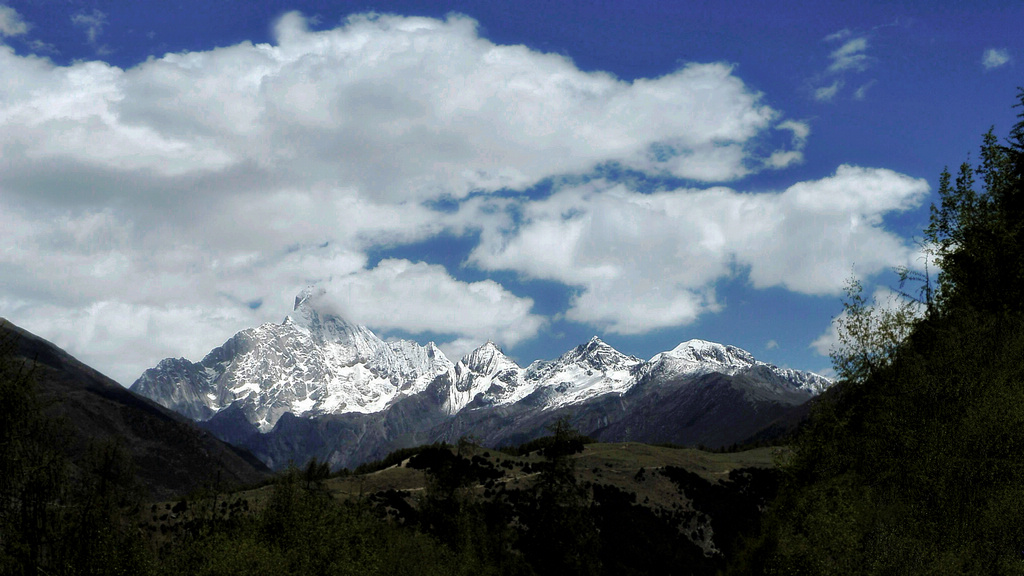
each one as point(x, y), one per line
point(92, 517)
point(912, 463)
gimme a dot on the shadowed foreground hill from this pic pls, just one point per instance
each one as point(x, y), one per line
point(912, 464)
point(171, 455)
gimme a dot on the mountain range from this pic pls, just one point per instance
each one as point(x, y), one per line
point(316, 385)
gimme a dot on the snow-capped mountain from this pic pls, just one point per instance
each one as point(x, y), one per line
point(315, 364)
point(486, 377)
point(310, 364)
point(699, 357)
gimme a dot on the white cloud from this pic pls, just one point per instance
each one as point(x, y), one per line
point(420, 297)
point(155, 206)
point(783, 158)
point(459, 348)
point(995, 58)
point(93, 23)
point(862, 91)
point(116, 336)
point(850, 56)
point(827, 93)
point(11, 23)
point(800, 131)
point(771, 345)
point(395, 108)
point(840, 35)
point(648, 261)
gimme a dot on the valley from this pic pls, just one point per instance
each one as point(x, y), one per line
point(317, 386)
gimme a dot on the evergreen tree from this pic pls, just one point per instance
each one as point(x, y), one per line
point(33, 470)
point(912, 463)
point(978, 237)
point(561, 537)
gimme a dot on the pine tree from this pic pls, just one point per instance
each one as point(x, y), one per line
point(32, 467)
point(911, 465)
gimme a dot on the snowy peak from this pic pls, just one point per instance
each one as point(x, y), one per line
point(696, 357)
point(488, 359)
point(316, 362)
point(587, 371)
point(313, 363)
point(598, 355)
point(486, 375)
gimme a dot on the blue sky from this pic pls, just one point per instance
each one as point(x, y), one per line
point(532, 173)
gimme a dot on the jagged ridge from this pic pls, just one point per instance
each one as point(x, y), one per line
point(316, 363)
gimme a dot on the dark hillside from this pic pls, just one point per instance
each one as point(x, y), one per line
point(171, 455)
point(912, 463)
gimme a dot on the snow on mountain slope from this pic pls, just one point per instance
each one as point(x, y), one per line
point(587, 371)
point(317, 363)
point(699, 357)
point(485, 371)
point(310, 364)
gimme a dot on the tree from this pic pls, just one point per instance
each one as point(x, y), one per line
point(32, 466)
point(911, 463)
point(561, 536)
point(979, 236)
point(870, 335)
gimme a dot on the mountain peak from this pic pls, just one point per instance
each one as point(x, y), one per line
point(597, 354)
point(700, 356)
point(307, 293)
point(487, 358)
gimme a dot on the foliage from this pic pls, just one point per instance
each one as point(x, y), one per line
point(979, 236)
point(32, 468)
point(870, 336)
point(562, 535)
point(58, 517)
point(911, 464)
point(396, 457)
point(540, 444)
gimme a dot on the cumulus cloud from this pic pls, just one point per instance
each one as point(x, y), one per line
point(105, 267)
point(783, 158)
point(420, 297)
point(648, 261)
point(162, 207)
point(995, 58)
point(395, 108)
point(11, 23)
point(122, 339)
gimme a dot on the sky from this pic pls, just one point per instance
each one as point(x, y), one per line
point(532, 173)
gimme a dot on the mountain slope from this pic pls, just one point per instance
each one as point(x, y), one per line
point(171, 454)
point(311, 364)
point(317, 385)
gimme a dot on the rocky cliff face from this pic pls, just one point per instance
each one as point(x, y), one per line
point(335, 383)
point(309, 365)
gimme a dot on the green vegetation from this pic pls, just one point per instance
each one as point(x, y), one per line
point(912, 463)
point(59, 517)
point(567, 507)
